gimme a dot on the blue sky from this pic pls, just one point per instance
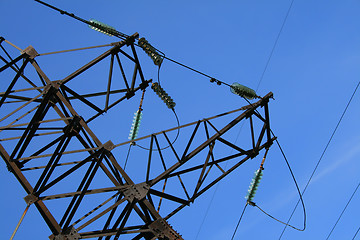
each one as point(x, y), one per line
point(312, 73)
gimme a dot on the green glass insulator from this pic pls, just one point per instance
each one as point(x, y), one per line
point(254, 185)
point(102, 27)
point(243, 91)
point(150, 51)
point(135, 125)
point(163, 95)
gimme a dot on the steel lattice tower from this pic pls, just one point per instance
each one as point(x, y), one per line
point(49, 146)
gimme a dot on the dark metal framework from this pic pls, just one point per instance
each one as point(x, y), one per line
point(55, 143)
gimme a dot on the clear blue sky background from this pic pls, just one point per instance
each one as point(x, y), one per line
point(312, 73)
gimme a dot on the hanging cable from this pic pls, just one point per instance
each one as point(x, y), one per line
point(156, 55)
point(255, 183)
point(170, 104)
point(257, 88)
point(96, 25)
point(127, 156)
point(322, 155)
point(241, 216)
point(356, 233)
point(255, 205)
point(274, 46)
point(296, 184)
point(343, 211)
point(175, 139)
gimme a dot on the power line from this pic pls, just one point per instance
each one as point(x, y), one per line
point(297, 187)
point(356, 233)
point(267, 214)
point(322, 155)
point(274, 46)
point(242, 214)
point(257, 88)
point(343, 212)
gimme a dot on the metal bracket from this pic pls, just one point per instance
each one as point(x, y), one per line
point(162, 230)
point(30, 199)
point(144, 85)
point(70, 234)
point(30, 51)
point(109, 145)
point(136, 191)
point(129, 94)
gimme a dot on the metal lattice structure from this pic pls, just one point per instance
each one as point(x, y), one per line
point(53, 148)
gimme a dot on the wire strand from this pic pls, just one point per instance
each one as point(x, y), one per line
point(296, 184)
point(274, 46)
point(322, 155)
point(176, 137)
point(356, 233)
point(241, 216)
point(347, 204)
point(255, 205)
point(127, 156)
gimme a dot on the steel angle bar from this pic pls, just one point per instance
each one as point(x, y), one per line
point(111, 208)
point(109, 83)
point(44, 211)
point(81, 98)
point(77, 49)
point(65, 174)
point(17, 70)
point(13, 62)
point(55, 158)
point(103, 233)
point(32, 127)
point(24, 90)
point(113, 50)
point(168, 196)
point(91, 191)
point(13, 81)
point(185, 125)
point(122, 72)
point(21, 107)
point(10, 43)
point(115, 103)
point(95, 209)
point(216, 136)
point(89, 95)
point(200, 166)
point(137, 64)
point(83, 187)
point(40, 167)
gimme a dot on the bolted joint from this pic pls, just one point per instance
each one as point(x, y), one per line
point(108, 145)
point(163, 230)
point(129, 94)
point(68, 234)
point(74, 126)
point(131, 39)
point(30, 51)
point(136, 191)
point(144, 85)
point(30, 199)
point(253, 153)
